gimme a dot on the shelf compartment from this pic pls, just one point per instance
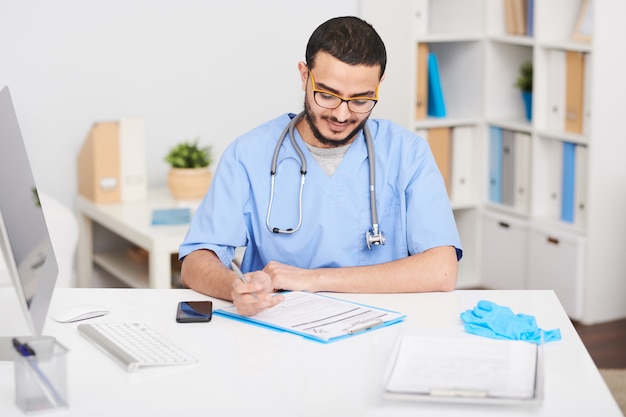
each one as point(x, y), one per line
point(120, 265)
point(503, 98)
point(460, 65)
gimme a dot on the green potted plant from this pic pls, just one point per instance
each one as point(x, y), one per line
point(189, 177)
point(525, 84)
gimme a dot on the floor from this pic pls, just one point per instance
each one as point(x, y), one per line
point(606, 343)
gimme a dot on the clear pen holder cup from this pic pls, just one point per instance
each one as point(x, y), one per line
point(41, 380)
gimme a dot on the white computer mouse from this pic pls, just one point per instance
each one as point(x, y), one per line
point(79, 312)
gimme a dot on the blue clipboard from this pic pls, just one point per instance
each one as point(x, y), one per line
point(342, 320)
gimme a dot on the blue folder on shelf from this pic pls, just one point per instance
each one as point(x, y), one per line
point(569, 172)
point(171, 216)
point(318, 317)
point(495, 164)
point(436, 103)
point(530, 18)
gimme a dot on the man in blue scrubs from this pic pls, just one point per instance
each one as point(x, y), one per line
point(345, 63)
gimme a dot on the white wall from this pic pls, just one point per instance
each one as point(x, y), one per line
point(192, 68)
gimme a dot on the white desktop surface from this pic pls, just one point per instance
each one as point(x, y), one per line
point(249, 370)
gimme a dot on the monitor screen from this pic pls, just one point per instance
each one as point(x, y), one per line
point(24, 238)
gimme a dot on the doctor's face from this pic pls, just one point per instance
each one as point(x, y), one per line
point(331, 82)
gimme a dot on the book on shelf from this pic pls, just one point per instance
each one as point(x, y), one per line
point(556, 90)
point(508, 167)
point(521, 199)
point(421, 93)
point(569, 92)
point(553, 150)
point(587, 96)
point(421, 16)
point(530, 18)
point(509, 18)
point(436, 103)
point(574, 184)
point(462, 164)
point(574, 90)
point(580, 186)
point(440, 141)
point(171, 216)
point(133, 170)
point(519, 16)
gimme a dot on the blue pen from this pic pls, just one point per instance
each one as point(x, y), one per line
point(42, 380)
point(23, 349)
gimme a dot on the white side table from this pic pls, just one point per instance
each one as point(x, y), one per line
point(130, 223)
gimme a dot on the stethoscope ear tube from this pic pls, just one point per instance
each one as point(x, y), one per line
point(289, 129)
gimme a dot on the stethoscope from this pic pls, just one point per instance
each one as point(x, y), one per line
point(374, 236)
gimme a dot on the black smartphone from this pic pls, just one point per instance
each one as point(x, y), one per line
point(194, 311)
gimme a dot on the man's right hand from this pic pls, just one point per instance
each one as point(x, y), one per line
point(256, 295)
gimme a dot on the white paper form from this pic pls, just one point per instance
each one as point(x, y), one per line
point(464, 367)
point(319, 317)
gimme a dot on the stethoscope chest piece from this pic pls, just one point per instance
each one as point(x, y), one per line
point(374, 237)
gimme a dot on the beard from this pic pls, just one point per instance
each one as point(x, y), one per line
point(335, 143)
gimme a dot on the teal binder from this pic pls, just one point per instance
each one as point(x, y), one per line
point(436, 103)
point(569, 173)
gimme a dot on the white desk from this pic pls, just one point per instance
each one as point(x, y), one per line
point(130, 221)
point(248, 370)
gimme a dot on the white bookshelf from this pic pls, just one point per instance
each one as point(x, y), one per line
point(528, 245)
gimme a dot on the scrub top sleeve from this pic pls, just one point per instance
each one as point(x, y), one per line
point(218, 223)
point(430, 221)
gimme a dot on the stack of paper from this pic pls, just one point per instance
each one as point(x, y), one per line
point(469, 368)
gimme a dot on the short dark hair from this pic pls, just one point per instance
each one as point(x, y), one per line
point(349, 39)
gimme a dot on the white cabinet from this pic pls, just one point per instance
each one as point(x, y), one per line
point(504, 269)
point(556, 261)
point(574, 176)
point(518, 254)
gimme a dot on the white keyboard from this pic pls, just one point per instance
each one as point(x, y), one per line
point(134, 345)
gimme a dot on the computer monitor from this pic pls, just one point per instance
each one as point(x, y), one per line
point(24, 238)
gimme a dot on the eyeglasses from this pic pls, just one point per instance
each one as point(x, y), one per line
point(329, 100)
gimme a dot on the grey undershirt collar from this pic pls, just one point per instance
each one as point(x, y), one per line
point(328, 158)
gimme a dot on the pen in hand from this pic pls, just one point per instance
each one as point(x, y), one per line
point(241, 277)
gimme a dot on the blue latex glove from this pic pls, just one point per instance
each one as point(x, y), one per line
point(497, 322)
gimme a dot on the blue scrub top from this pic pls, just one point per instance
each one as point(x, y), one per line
point(413, 207)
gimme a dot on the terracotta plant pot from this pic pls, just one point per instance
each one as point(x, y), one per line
point(189, 183)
